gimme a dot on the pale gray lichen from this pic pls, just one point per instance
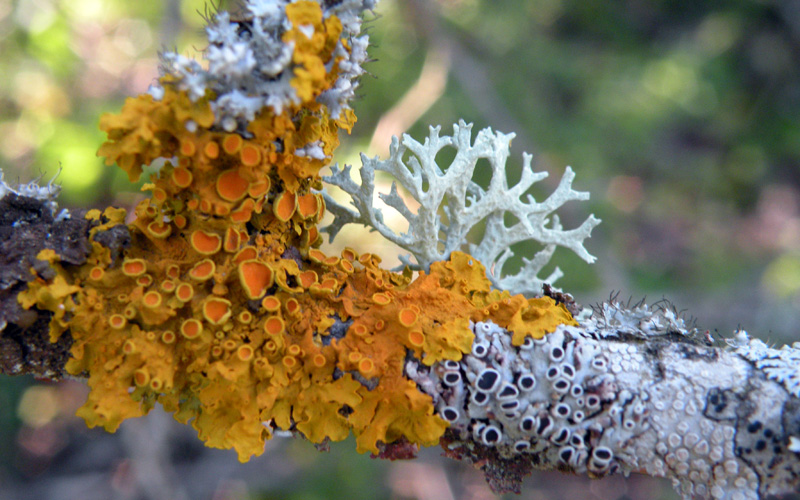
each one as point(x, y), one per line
point(47, 193)
point(464, 204)
point(250, 67)
point(781, 365)
point(614, 319)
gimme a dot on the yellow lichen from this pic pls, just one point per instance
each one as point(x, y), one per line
point(220, 307)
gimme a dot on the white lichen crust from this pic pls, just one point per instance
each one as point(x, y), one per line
point(453, 193)
point(782, 365)
point(250, 67)
point(597, 401)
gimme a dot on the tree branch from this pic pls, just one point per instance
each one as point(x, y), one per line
point(216, 302)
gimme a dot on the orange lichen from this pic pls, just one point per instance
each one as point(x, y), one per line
point(96, 273)
point(308, 205)
point(173, 271)
point(232, 143)
point(159, 230)
point(211, 149)
point(258, 188)
point(232, 240)
point(151, 299)
point(407, 317)
point(245, 353)
point(191, 328)
point(117, 321)
point(255, 278)
point(203, 270)
point(250, 155)
point(206, 243)
point(274, 325)
point(381, 298)
point(307, 278)
point(133, 267)
point(184, 292)
point(188, 148)
point(200, 345)
point(416, 338)
point(271, 303)
point(217, 311)
point(284, 206)
point(231, 186)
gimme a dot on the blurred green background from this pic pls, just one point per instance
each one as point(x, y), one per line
point(681, 119)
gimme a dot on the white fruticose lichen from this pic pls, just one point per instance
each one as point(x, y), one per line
point(250, 67)
point(453, 193)
point(47, 193)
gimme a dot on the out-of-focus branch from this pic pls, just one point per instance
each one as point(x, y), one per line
point(428, 88)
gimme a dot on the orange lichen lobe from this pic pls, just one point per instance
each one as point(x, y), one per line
point(307, 278)
point(134, 267)
point(188, 148)
point(284, 206)
point(181, 177)
point(231, 186)
point(407, 317)
point(271, 303)
point(191, 328)
point(381, 299)
point(245, 353)
point(417, 338)
point(308, 205)
point(274, 325)
point(232, 143)
point(141, 377)
point(216, 310)
point(203, 270)
point(255, 277)
point(366, 366)
point(211, 149)
point(250, 155)
point(151, 299)
point(117, 321)
point(159, 230)
point(184, 292)
point(96, 273)
point(206, 243)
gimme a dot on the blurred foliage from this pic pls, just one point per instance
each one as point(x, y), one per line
point(680, 118)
